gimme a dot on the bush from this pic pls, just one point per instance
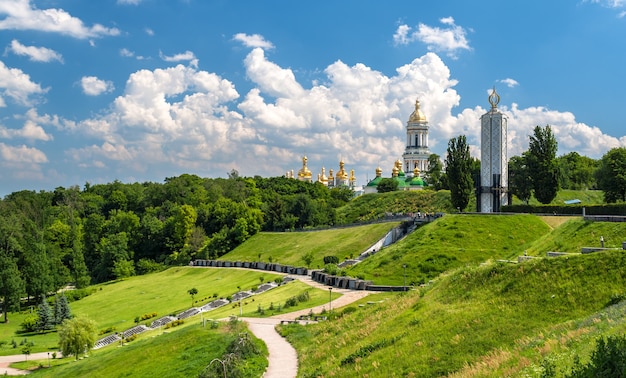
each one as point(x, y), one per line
point(30, 323)
point(607, 360)
point(331, 269)
point(74, 295)
point(331, 260)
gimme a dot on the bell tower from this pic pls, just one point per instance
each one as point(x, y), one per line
point(494, 172)
point(416, 152)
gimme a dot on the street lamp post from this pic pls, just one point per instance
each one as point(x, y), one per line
point(404, 266)
point(48, 359)
point(330, 301)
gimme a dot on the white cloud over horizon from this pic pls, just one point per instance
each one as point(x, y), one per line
point(92, 86)
point(35, 54)
point(448, 39)
point(22, 15)
point(184, 119)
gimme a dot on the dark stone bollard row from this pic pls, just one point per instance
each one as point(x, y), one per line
point(252, 265)
point(340, 282)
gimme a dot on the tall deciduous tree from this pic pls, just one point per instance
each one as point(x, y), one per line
point(520, 181)
point(543, 165)
point(611, 175)
point(11, 284)
point(459, 172)
point(435, 177)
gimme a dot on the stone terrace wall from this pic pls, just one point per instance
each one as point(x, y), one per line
point(288, 269)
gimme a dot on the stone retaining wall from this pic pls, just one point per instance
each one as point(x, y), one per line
point(252, 265)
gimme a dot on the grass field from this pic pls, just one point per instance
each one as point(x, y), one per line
point(117, 304)
point(497, 319)
point(451, 241)
point(184, 352)
point(290, 247)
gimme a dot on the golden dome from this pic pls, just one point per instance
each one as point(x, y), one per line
point(394, 171)
point(417, 115)
point(416, 172)
point(379, 172)
point(304, 172)
point(352, 176)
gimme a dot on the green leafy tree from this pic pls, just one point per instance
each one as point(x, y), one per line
point(193, 291)
point(11, 284)
point(308, 258)
point(611, 175)
point(542, 163)
point(577, 172)
point(435, 177)
point(520, 180)
point(459, 172)
point(46, 319)
point(607, 360)
point(386, 185)
point(77, 336)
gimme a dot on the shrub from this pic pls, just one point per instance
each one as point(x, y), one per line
point(30, 323)
point(107, 330)
point(607, 360)
point(331, 269)
point(331, 260)
point(278, 280)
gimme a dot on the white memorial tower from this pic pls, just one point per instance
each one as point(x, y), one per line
point(494, 172)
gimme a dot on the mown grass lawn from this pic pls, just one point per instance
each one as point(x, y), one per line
point(498, 319)
point(184, 352)
point(451, 241)
point(289, 248)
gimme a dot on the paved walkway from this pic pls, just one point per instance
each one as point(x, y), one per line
point(5, 361)
point(283, 359)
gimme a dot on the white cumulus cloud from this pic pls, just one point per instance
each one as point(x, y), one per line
point(92, 86)
point(36, 54)
point(15, 84)
point(254, 40)
point(511, 83)
point(22, 15)
point(448, 39)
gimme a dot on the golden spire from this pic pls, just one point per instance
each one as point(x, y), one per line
point(417, 115)
point(494, 99)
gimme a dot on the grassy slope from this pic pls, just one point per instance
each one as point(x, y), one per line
point(181, 353)
point(118, 303)
point(587, 197)
point(451, 241)
point(577, 233)
point(290, 247)
point(494, 313)
point(374, 205)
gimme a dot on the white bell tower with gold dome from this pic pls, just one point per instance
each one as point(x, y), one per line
point(416, 152)
point(494, 171)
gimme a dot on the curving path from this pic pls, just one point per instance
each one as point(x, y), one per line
point(283, 359)
point(5, 361)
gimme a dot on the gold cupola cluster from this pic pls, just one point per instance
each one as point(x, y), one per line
point(340, 178)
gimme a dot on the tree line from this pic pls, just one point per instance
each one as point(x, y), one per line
point(110, 231)
point(537, 172)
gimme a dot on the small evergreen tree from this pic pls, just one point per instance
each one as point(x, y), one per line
point(46, 319)
point(61, 309)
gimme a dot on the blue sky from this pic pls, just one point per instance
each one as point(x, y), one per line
point(141, 90)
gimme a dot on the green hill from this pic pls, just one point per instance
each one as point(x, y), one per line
point(376, 205)
point(493, 320)
point(290, 247)
point(577, 233)
point(451, 241)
